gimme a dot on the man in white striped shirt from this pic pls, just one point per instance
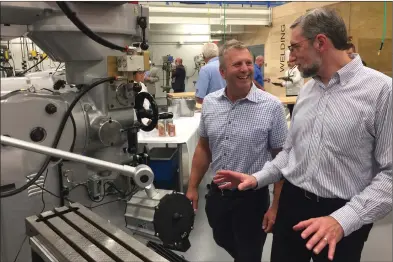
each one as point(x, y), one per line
point(337, 160)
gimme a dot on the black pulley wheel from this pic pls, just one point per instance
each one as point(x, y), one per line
point(143, 113)
point(174, 218)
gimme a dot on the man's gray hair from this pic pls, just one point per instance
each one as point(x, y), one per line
point(227, 46)
point(210, 50)
point(323, 21)
point(259, 57)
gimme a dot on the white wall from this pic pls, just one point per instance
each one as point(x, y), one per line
point(184, 41)
point(16, 52)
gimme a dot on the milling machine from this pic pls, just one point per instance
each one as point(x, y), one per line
point(96, 112)
point(166, 73)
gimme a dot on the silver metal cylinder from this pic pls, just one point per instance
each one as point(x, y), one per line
point(151, 191)
point(130, 171)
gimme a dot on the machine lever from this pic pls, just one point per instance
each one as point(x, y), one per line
point(165, 115)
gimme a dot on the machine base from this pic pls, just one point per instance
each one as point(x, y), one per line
point(75, 233)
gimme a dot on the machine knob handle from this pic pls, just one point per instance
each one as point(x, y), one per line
point(137, 87)
point(50, 109)
point(166, 115)
point(38, 134)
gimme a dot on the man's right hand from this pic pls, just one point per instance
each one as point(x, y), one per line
point(192, 195)
point(234, 179)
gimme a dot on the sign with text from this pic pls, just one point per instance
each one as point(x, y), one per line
point(282, 49)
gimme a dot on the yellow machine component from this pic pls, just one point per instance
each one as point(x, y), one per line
point(33, 53)
point(6, 55)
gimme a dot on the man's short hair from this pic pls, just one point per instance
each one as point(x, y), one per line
point(210, 50)
point(323, 21)
point(227, 46)
point(351, 45)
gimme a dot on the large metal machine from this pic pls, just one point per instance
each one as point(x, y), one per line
point(96, 111)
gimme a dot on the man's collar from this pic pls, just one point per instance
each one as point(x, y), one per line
point(213, 59)
point(251, 96)
point(348, 71)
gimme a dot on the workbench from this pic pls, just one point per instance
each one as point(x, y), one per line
point(186, 136)
point(286, 100)
point(181, 95)
point(184, 95)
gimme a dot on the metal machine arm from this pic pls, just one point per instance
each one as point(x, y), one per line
point(142, 174)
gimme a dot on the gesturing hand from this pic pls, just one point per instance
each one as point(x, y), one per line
point(234, 179)
point(326, 230)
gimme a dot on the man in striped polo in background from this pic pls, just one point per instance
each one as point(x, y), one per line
point(337, 160)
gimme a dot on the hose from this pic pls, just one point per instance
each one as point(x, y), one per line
point(78, 23)
point(57, 137)
point(384, 28)
point(224, 25)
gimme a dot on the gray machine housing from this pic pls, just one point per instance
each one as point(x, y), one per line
point(99, 116)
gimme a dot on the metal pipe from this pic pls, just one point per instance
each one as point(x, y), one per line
point(125, 170)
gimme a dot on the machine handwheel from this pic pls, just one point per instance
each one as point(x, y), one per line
point(142, 113)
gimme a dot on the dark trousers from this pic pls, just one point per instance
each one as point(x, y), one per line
point(178, 90)
point(295, 206)
point(290, 108)
point(236, 219)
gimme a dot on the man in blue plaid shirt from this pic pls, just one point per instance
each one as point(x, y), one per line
point(241, 128)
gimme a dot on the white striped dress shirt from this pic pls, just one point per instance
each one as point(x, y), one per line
point(340, 144)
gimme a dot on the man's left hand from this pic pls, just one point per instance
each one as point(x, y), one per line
point(326, 230)
point(269, 219)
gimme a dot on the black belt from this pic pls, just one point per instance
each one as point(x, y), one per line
point(311, 196)
point(234, 192)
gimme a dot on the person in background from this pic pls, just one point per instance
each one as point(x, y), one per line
point(259, 78)
point(178, 76)
point(293, 81)
point(210, 79)
point(241, 128)
point(151, 77)
point(352, 50)
point(337, 160)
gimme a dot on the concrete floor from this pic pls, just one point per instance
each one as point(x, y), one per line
point(378, 248)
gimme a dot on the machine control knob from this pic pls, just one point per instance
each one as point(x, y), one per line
point(38, 134)
point(50, 109)
point(137, 87)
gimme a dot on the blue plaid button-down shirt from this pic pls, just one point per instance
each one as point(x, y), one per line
point(241, 133)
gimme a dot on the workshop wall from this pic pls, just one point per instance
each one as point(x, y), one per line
point(181, 41)
point(364, 21)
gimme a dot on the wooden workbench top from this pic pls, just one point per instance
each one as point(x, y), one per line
point(290, 100)
point(181, 95)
